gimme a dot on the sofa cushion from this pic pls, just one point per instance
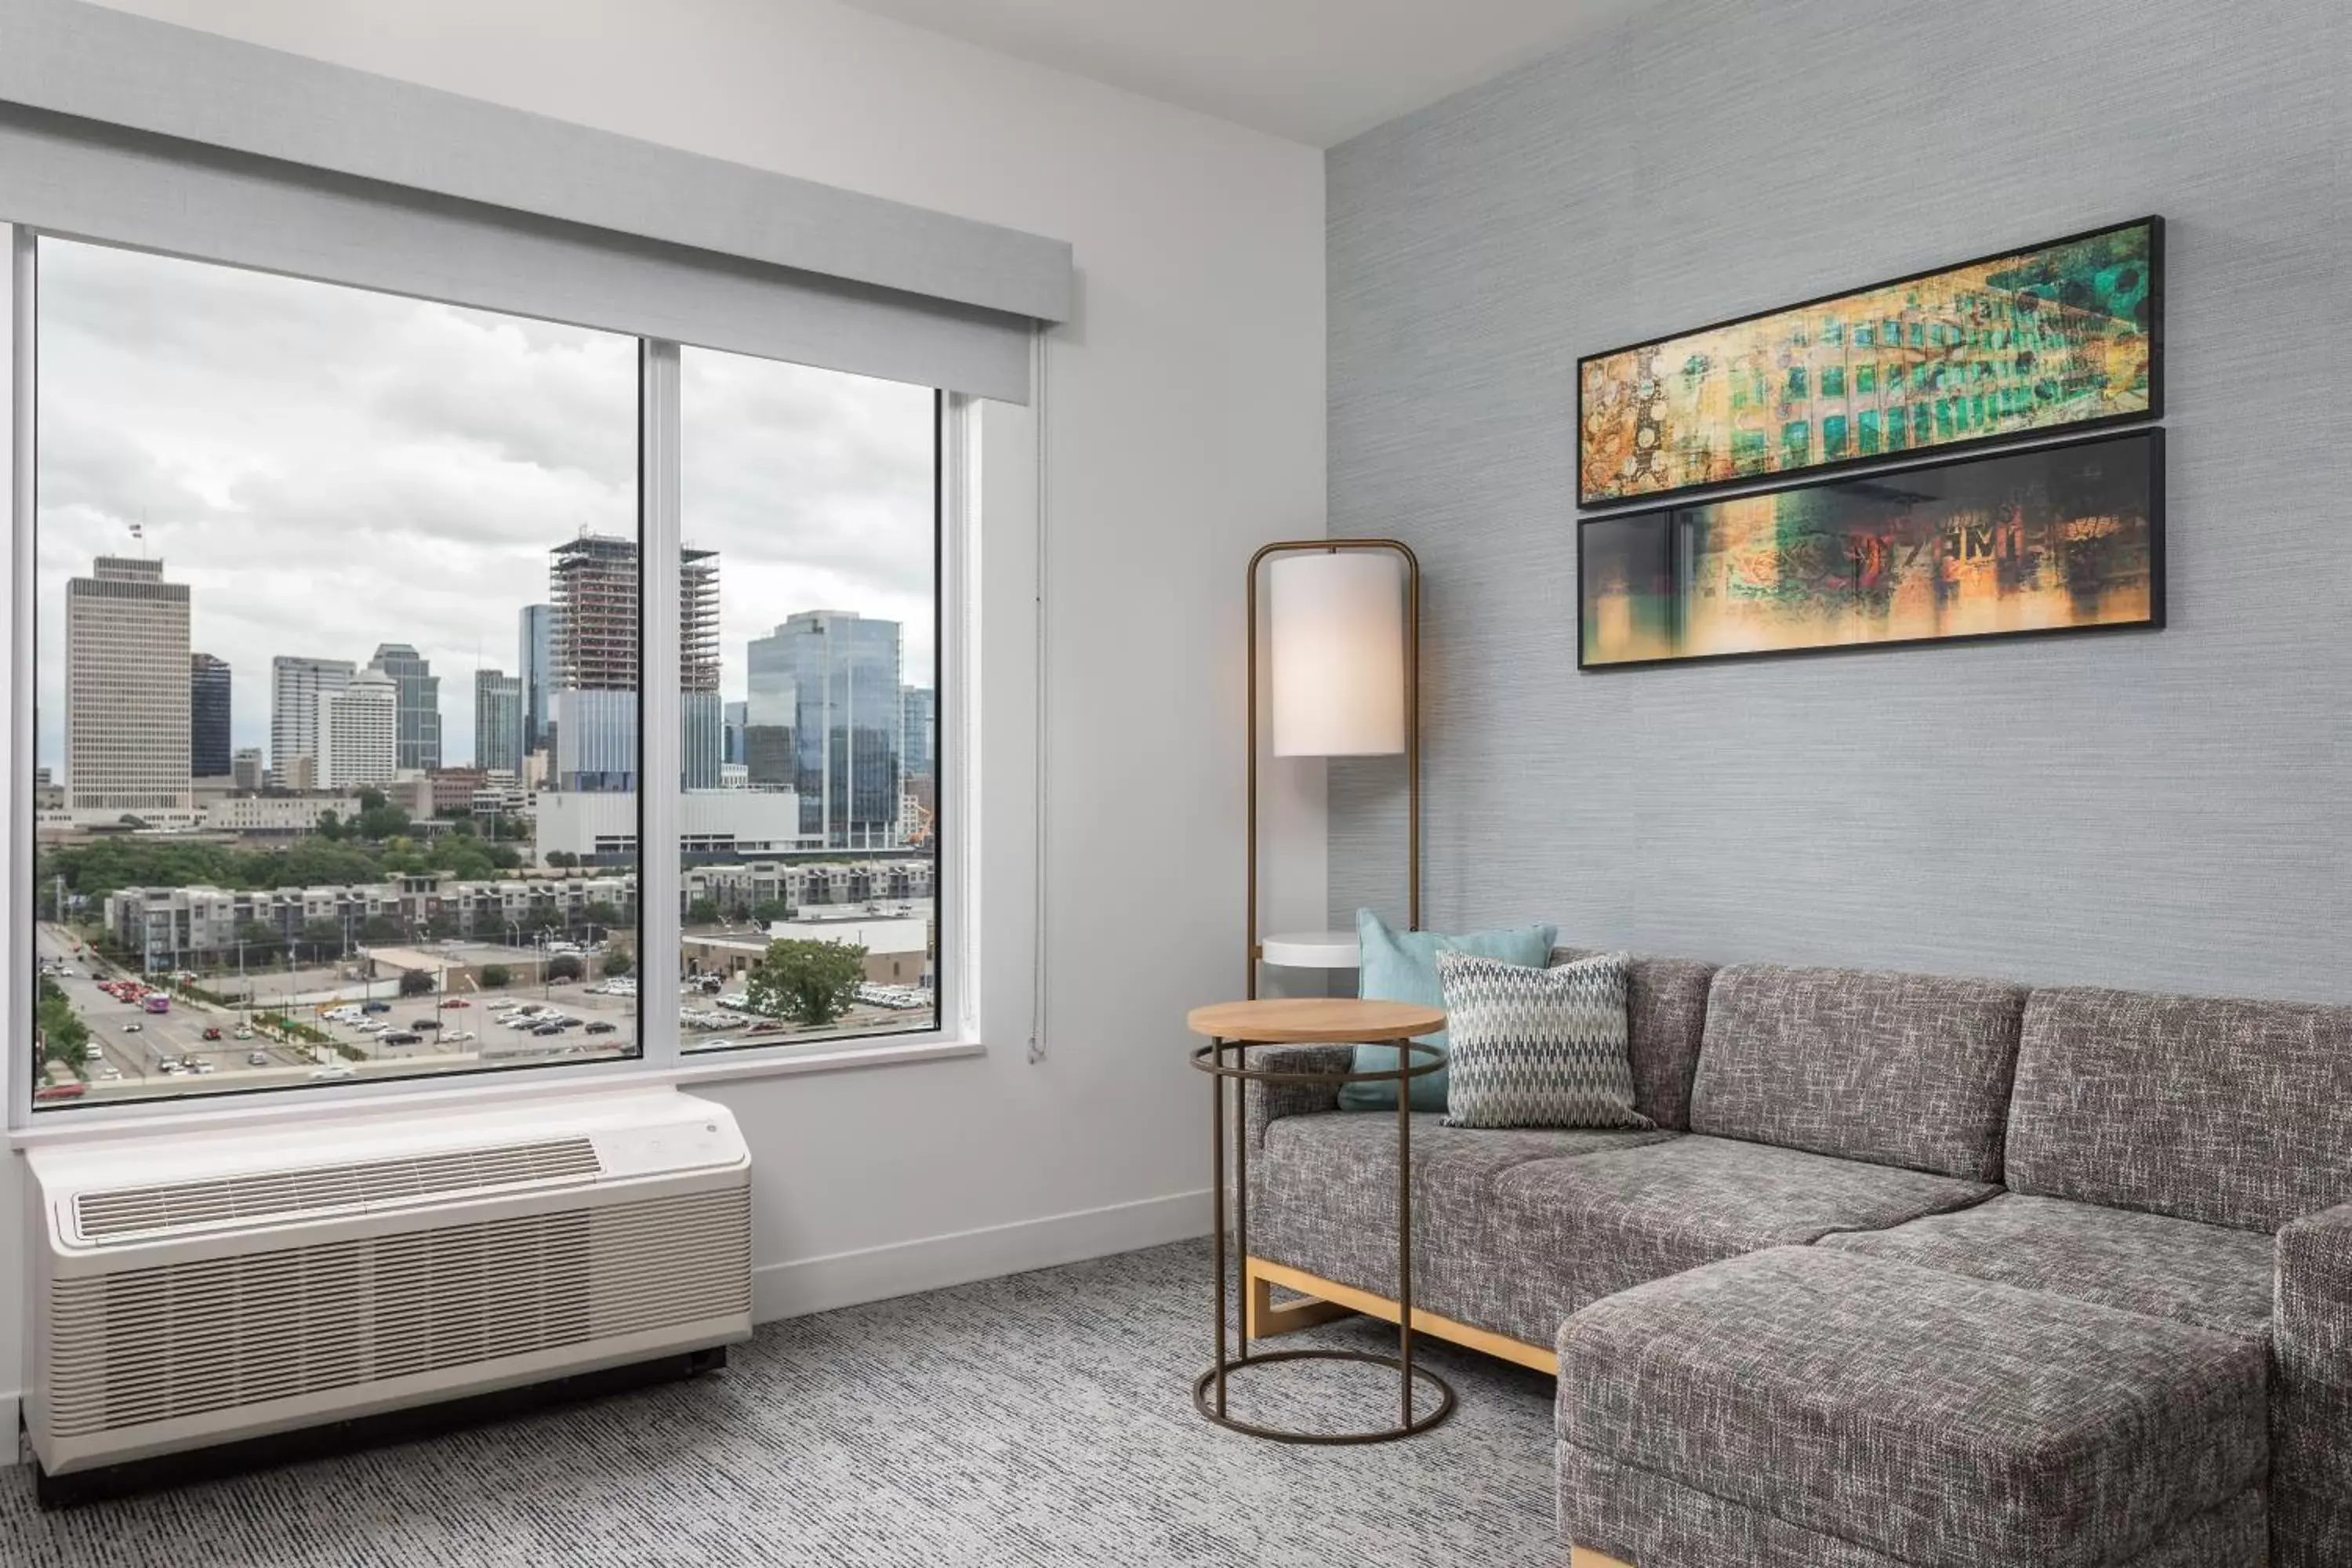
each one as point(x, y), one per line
point(1640, 1517)
point(1561, 1234)
point(1537, 1047)
point(1945, 1422)
point(1899, 1069)
point(2209, 1275)
point(1666, 1015)
point(2231, 1112)
point(1323, 1198)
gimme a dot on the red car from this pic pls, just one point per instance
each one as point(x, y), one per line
point(212, 1033)
point(457, 1002)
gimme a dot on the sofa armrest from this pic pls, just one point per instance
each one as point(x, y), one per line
point(1265, 1101)
point(2311, 1391)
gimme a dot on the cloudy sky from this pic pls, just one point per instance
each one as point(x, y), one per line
point(328, 469)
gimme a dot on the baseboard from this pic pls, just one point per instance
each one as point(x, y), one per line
point(876, 1273)
point(13, 1449)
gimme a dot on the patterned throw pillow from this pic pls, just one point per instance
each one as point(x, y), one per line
point(1538, 1047)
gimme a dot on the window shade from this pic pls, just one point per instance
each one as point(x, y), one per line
point(117, 129)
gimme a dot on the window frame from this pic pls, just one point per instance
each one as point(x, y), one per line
point(659, 1056)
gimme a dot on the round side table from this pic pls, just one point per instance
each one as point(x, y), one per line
point(1233, 1027)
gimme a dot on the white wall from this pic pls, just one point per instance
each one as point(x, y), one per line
point(1184, 427)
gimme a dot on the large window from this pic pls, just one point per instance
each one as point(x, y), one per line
point(810, 824)
point(343, 699)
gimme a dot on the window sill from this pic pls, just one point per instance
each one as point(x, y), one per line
point(409, 1097)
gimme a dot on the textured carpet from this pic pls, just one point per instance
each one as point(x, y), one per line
point(1044, 1418)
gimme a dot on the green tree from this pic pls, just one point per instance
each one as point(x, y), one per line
point(321, 938)
point(812, 982)
point(440, 928)
point(416, 982)
point(562, 860)
point(771, 910)
point(380, 929)
point(601, 913)
point(702, 912)
point(382, 820)
point(330, 826)
point(63, 1034)
point(259, 939)
point(564, 966)
point(617, 964)
point(495, 975)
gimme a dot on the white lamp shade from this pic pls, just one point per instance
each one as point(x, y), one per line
point(1336, 640)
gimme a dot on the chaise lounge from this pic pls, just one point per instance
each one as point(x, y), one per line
point(1914, 1271)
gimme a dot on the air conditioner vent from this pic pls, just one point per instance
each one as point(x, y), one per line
point(146, 1212)
point(179, 1339)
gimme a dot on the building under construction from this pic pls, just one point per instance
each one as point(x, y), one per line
point(594, 658)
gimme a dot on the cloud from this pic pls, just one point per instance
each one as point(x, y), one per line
point(328, 469)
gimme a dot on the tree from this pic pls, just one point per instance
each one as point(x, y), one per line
point(495, 975)
point(256, 937)
point(810, 981)
point(321, 937)
point(416, 982)
point(771, 911)
point(617, 964)
point(564, 966)
point(601, 913)
point(440, 928)
point(379, 929)
point(63, 1033)
point(562, 860)
point(702, 912)
point(330, 826)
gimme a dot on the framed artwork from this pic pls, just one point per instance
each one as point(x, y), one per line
point(2059, 538)
point(2053, 337)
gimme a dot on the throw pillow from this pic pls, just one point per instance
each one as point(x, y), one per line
point(1538, 1047)
point(1402, 966)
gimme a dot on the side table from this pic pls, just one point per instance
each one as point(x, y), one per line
point(1234, 1026)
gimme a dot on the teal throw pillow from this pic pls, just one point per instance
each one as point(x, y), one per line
point(1402, 966)
point(1538, 1047)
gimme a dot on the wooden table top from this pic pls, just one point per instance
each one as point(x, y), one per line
point(1311, 1020)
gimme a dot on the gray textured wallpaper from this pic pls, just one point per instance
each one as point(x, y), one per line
point(2169, 809)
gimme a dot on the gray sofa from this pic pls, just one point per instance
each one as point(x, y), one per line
point(1914, 1272)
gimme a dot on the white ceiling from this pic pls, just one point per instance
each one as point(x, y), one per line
point(1316, 71)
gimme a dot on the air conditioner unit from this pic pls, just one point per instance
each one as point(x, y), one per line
point(213, 1287)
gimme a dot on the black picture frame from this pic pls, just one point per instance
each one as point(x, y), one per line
point(2154, 621)
point(2155, 409)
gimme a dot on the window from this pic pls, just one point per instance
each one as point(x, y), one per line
point(809, 811)
point(340, 636)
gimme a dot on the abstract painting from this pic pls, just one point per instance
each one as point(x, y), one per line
point(2055, 336)
point(2067, 537)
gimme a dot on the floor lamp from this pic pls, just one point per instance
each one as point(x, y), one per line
point(1343, 634)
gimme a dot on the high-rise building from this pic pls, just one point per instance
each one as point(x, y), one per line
point(732, 718)
point(498, 721)
point(244, 769)
point(824, 692)
point(127, 705)
point(593, 660)
point(532, 659)
point(207, 716)
point(359, 732)
point(420, 704)
point(295, 686)
point(918, 728)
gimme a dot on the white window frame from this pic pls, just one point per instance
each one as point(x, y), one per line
point(660, 877)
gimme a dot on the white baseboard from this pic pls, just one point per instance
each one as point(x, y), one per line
point(876, 1273)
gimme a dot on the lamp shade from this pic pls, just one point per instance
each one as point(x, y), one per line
point(1336, 645)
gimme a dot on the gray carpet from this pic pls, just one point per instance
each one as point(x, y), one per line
point(1040, 1420)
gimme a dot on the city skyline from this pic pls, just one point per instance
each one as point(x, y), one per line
point(328, 471)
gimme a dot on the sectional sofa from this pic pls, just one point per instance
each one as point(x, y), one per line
point(1913, 1272)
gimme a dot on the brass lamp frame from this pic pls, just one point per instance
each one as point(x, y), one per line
point(1412, 719)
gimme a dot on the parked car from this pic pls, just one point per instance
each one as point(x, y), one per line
point(456, 1037)
point(548, 1029)
point(457, 1002)
point(403, 1038)
point(375, 1006)
point(600, 1028)
point(425, 1022)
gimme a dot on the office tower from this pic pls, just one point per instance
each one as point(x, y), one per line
point(730, 733)
point(207, 716)
point(295, 686)
point(420, 704)
point(824, 693)
point(918, 719)
point(359, 732)
point(533, 660)
point(498, 721)
point(245, 768)
point(127, 704)
point(593, 657)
